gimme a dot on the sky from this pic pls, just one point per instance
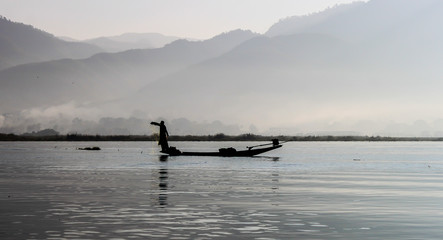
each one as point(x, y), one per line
point(198, 19)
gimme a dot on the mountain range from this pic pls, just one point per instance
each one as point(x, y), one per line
point(130, 41)
point(366, 67)
point(21, 44)
point(105, 76)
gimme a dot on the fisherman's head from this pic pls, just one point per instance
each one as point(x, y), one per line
point(162, 122)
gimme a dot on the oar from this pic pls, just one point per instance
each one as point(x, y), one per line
point(259, 145)
point(274, 142)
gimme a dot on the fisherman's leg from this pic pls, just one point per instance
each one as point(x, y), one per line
point(165, 146)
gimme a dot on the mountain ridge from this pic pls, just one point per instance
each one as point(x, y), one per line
point(21, 44)
point(366, 68)
point(128, 41)
point(83, 80)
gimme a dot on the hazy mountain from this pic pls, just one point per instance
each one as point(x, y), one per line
point(258, 80)
point(298, 24)
point(130, 41)
point(373, 68)
point(363, 65)
point(104, 76)
point(361, 22)
point(20, 44)
point(68, 39)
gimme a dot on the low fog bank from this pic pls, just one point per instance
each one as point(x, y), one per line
point(71, 118)
point(113, 126)
point(87, 121)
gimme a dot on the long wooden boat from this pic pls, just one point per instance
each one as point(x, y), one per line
point(229, 152)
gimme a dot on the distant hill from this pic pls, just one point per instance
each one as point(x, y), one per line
point(364, 67)
point(300, 24)
point(105, 76)
point(42, 133)
point(361, 22)
point(260, 79)
point(21, 44)
point(364, 60)
point(130, 41)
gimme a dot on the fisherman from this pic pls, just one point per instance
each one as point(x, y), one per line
point(163, 141)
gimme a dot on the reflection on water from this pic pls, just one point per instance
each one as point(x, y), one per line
point(275, 159)
point(305, 192)
point(275, 180)
point(163, 158)
point(163, 182)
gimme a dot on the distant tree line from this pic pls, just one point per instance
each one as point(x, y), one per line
point(216, 137)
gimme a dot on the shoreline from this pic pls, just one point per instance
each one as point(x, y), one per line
point(213, 138)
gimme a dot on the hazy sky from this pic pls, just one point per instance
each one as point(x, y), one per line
point(83, 19)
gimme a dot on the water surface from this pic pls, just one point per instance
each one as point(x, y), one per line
point(310, 190)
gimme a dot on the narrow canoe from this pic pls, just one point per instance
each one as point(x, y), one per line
point(230, 152)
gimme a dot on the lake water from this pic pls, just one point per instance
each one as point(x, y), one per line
point(305, 190)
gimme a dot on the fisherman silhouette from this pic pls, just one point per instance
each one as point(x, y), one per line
point(163, 141)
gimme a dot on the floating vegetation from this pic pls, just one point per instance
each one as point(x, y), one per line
point(90, 148)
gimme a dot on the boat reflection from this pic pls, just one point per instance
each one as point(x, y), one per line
point(163, 158)
point(275, 159)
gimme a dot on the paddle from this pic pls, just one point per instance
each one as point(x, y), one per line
point(275, 142)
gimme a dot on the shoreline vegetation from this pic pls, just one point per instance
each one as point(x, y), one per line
point(217, 137)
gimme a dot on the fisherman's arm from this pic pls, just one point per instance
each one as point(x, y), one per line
point(154, 123)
